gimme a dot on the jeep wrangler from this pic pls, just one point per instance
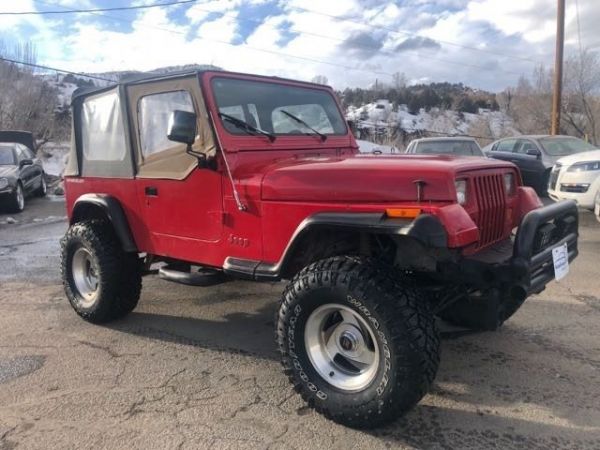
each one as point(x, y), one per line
point(216, 176)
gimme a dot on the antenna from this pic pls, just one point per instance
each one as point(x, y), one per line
point(236, 196)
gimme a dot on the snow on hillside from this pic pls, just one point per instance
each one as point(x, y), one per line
point(54, 157)
point(380, 115)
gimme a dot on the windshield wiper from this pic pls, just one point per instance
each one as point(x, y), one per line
point(246, 126)
point(302, 122)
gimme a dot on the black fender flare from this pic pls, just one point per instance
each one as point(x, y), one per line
point(112, 209)
point(426, 229)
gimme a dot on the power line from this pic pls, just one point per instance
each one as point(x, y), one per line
point(39, 66)
point(77, 11)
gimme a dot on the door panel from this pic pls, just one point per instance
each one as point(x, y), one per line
point(189, 208)
point(532, 169)
point(181, 204)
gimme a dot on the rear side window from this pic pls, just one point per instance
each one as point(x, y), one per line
point(154, 112)
point(102, 135)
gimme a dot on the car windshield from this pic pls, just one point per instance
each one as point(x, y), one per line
point(562, 146)
point(6, 155)
point(449, 147)
point(277, 109)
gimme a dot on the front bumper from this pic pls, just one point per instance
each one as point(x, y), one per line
point(524, 265)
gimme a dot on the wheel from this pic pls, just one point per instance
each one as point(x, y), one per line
point(43, 188)
point(102, 282)
point(359, 346)
point(16, 202)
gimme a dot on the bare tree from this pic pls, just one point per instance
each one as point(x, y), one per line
point(27, 102)
point(320, 79)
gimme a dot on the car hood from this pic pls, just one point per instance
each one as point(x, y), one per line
point(365, 178)
point(8, 171)
point(593, 155)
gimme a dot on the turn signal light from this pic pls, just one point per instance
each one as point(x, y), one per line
point(403, 213)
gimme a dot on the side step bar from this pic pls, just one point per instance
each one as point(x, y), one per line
point(203, 277)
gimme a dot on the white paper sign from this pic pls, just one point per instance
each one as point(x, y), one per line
point(560, 257)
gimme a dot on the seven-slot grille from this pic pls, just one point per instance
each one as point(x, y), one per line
point(491, 200)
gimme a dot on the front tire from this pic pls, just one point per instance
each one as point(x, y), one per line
point(102, 282)
point(17, 199)
point(359, 346)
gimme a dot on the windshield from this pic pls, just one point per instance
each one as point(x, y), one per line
point(7, 156)
point(275, 109)
point(559, 146)
point(450, 147)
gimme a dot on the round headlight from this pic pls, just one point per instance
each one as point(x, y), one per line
point(509, 183)
point(3, 183)
point(461, 191)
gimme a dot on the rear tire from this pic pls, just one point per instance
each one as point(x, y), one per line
point(102, 282)
point(360, 347)
point(43, 189)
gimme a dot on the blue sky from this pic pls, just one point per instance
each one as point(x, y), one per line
point(481, 43)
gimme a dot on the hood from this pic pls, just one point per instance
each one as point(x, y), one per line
point(365, 178)
point(8, 171)
point(593, 155)
point(21, 137)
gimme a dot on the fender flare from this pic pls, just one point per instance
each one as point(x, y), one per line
point(426, 229)
point(112, 209)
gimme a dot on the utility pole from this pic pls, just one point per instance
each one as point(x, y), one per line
point(558, 67)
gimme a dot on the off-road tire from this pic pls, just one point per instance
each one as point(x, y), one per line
point(405, 331)
point(119, 273)
point(14, 204)
point(43, 189)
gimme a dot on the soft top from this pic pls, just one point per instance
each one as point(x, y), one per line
point(20, 137)
point(150, 77)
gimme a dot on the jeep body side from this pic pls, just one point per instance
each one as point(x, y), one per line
point(224, 175)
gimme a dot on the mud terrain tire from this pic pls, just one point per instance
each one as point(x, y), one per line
point(393, 317)
point(101, 281)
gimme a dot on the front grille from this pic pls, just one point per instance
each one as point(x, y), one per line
point(575, 188)
point(491, 201)
point(554, 177)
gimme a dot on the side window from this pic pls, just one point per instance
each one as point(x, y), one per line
point(154, 112)
point(523, 146)
point(506, 145)
point(102, 134)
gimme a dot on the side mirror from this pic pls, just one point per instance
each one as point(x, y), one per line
point(26, 162)
point(533, 152)
point(182, 127)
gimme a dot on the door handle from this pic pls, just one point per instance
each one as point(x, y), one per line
point(151, 190)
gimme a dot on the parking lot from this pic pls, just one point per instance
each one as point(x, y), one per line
point(196, 367)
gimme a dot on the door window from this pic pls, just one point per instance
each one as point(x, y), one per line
point(154, 112)
point(523, 146)
point(506, 146)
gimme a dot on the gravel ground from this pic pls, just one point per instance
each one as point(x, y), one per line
point(197, 367)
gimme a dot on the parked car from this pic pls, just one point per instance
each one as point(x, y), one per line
point(597, 205)
point(225, 176)
point(460, 146)
point(21, 173)
point(535, 155)
point(576, 177)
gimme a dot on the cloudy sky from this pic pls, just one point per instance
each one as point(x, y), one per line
point(482, 43)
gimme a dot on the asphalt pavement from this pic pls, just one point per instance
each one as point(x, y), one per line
point(197, 367)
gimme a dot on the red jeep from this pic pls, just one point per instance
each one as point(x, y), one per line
point(218, 176)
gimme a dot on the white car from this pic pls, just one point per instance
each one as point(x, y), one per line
point(576, 177)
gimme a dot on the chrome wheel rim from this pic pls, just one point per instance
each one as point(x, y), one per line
point(44, 187)
point(20, 198)
point(341, 346)
point(85, 276)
